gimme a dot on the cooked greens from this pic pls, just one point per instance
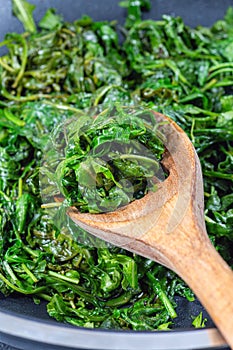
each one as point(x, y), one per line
point(107, 160)
point(54, 73)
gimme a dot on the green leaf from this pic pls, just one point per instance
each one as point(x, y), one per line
point(199, 322)
point(57, 308)
point(227, 201)
point(22, 207)
point(225, 120)
point(227, 103)
point(50, 20)
point(228, 51)
point(229, 16)
point(135, 8)
point(213, 202)
point(23, 10)
point(124, 3)
point(129, 271)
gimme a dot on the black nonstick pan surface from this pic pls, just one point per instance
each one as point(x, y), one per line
point(24, 325)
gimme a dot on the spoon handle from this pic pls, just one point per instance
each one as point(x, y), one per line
point(211, 279)
point(189, 252)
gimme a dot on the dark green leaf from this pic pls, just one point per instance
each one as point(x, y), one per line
point(50, 20)
point(24, 11)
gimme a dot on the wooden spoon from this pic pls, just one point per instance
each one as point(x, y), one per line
point(168, 226)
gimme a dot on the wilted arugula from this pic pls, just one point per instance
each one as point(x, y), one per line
point(108, 160)
point(54, 74)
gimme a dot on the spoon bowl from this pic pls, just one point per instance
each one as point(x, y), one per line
point(168, 227)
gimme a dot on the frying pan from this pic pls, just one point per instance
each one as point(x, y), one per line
point(24, 325)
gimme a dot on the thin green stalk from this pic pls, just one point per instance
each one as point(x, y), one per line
point(63, 277)
point(29, 273)
point(23, 63)
point(6, 66)
point(162, 295)
point(21, 290)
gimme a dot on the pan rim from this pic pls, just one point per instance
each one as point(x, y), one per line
point(68, 336)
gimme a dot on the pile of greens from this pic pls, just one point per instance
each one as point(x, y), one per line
point(51, 74)
point(105, 161)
